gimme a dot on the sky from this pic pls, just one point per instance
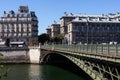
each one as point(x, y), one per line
point(49, 11)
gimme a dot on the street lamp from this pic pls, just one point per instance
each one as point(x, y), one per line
point(87, 33)
point(87, 30)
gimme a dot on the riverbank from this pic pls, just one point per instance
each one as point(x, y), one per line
point(20, 55)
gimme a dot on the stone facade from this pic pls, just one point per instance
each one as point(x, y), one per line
point(48, 31)
point(53, 30)
point(63, 23)
point(83, 28)
point(21, 26)
point(94, 29)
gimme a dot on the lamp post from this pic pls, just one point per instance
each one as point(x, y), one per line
point(87, 33)
point(87, 30)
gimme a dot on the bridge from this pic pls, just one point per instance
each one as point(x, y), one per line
point(98, 61)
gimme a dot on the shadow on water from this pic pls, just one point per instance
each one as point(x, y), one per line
point(64, 63)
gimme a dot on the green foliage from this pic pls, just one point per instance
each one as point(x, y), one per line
point(57, 39)
point(43, 38)
point(46, 38)
point(3, 73)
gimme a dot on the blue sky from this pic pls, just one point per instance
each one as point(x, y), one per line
point(49, 10)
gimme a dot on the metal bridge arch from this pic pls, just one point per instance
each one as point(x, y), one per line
point(96, 69)
point(68, 63)
point(100, 62)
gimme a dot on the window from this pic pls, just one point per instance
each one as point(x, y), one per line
point(80, 18)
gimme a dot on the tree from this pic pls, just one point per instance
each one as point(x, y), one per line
point(7, 42)
point(58, 38)
point(43, 38)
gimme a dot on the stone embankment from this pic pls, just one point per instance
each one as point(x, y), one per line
point(20, 55)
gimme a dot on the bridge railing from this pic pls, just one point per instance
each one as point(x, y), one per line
point(110, 50)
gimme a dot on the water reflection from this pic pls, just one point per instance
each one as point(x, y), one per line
point(38, 72)
point(34, 72)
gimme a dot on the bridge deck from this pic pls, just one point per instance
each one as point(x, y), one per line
point(103, 52)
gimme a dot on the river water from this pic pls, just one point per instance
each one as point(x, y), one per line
point(38, 72)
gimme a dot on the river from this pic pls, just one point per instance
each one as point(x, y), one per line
point(38, 72)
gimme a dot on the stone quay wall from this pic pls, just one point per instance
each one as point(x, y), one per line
point(20, 55)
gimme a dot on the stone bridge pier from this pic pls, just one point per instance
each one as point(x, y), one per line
point(34, 54)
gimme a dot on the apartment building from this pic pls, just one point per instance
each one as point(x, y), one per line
point(53, 30)
point(63, 22)
point(20, 26)
point(48, 31)
point(83, 28)
point(94, 29)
